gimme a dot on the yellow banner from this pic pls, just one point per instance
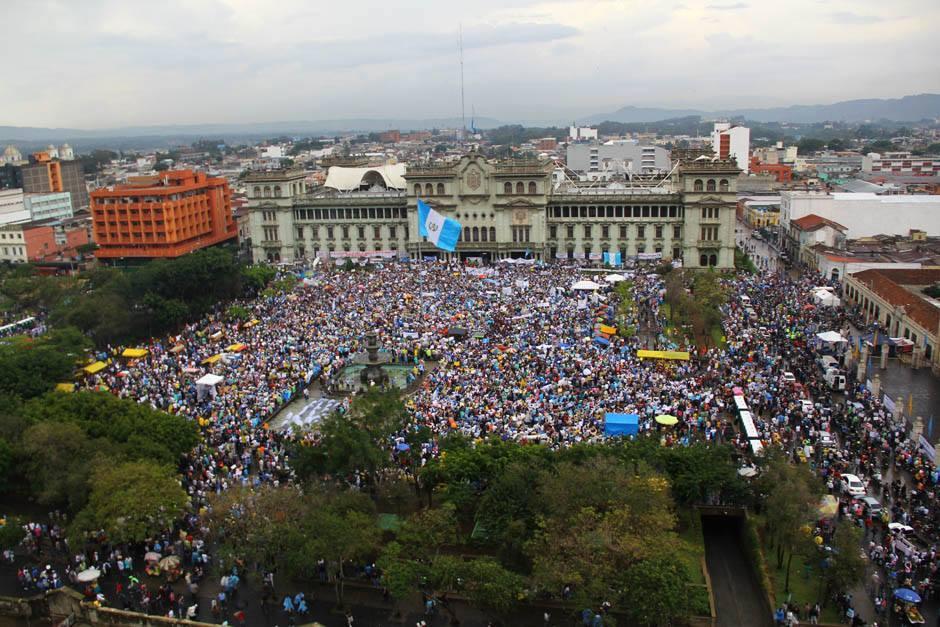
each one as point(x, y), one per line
point(608, 329)
point(680, 355)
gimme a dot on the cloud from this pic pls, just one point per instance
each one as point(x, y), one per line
point(847, 17)
point(736, 6)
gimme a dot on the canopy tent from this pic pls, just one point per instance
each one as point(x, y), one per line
point(95, 367)
point(621, 424)
point(134, 353)
point(586, 286)
point(615, 278)
point(833, 337)
point(826, 299)
point(205, 386)
point(65, 387)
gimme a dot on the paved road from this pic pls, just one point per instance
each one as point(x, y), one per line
point(739, 599)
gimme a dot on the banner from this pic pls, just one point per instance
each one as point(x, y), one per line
point(649, 256)
point(678, 355)
point(929, 451)
point(888, 403)
point(362, 254)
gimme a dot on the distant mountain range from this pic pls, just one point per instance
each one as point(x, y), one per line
point(906, 109)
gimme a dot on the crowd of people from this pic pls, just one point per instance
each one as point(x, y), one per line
point(508, 351)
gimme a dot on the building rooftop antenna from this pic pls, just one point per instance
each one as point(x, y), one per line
point(463, 114)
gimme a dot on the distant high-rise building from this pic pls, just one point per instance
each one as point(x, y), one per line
point(54, 205)
point(165, 215)
point(617, 157)
point(732, 142)
point(47, 174)
point(390, 137)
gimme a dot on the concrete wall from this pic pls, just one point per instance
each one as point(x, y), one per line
point(865, 215)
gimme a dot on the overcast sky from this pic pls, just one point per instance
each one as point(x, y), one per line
point(109, 63)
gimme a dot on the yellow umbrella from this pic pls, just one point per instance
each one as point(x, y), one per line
point(666, 420)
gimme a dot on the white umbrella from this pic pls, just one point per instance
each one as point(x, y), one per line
point(586, 286)
point(88, 575)
point(615, 278)
point(152, 556)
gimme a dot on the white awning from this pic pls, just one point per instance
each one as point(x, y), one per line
point(209, 379)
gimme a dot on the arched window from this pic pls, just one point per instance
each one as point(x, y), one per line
point(703, 260)
point(417, 190)
point(507, 187)
point(428, 190)
point(520, 188)
point(698, 185)
point(267, 191)
point(723, 185)
point(492, 233)
point(476, 234)
point(257, 191)
point(277, 191)
point(531, 187)
point(713, 260)
point(483, 234)
point(710, 186)
point(440, 189)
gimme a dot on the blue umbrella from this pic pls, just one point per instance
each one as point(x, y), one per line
point(907, 595)
point(402, 446)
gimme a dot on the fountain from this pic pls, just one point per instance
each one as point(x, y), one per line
point(373, 373)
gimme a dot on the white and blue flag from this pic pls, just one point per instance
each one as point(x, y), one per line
point(440, 231)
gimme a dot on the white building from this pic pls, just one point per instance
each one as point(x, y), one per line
point(581, 133)
point(55, 205)
point(616, 157)
point(732, 142)
point(13, 243)
point(864, 214)
point(12, 206)
point(901, 163)
point(272, 152)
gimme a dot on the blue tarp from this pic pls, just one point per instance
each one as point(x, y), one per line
point(621, 424)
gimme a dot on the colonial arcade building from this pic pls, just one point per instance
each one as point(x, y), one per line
point(508, 209)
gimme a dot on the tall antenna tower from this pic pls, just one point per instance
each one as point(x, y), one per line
point(463, 113)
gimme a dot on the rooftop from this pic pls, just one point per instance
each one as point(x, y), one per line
point(899, 287)
point(813, 222)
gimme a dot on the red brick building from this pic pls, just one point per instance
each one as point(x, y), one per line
point(166, 215)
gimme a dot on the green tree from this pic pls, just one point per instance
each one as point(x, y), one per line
point(656, 590)
point(792, 497)
point(809, 145)
point(57, 458)
point(342, 527)
point(490, 586)
point(132, 501)
point(137, 430)
point(836, 144)
point(845, 565)
point(257, 277)
point(31, 367)
point(11, 533)
point(6, 465)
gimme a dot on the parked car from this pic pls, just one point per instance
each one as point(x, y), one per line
point(789, 377)
point(826, 440)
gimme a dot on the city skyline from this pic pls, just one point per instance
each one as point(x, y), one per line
point(106, 64)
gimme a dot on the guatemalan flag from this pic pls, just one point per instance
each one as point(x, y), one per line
point(440, 231)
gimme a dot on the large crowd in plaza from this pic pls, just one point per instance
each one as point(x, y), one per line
point(524, 367)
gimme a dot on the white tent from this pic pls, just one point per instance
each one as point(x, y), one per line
point(833, 337)
point(826, 299)
point(615, 278)
point(205, 386)
point(586, 286)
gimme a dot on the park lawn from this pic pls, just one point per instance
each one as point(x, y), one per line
point(692, 554)
point(804, 588)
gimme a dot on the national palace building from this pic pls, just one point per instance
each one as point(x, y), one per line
point(508, 209)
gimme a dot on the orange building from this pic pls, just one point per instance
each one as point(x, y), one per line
point(783, 173)
point(166, 215)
